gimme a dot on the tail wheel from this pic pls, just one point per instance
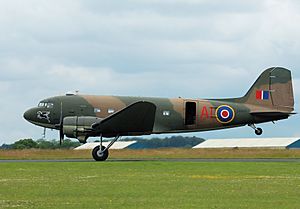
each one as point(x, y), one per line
point(100, 155)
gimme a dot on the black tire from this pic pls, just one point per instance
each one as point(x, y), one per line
point(258, 131)
point(97, 156)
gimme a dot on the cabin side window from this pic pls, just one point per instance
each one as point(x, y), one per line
point(97, 110)
point(166, 113)
point(110, 111)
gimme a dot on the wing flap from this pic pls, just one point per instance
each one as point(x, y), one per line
point(136, 118)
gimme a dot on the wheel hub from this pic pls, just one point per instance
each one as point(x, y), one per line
point(100, 153)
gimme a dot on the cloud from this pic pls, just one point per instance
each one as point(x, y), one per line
point(149, 83)
point(193, 48)
point(296, 83)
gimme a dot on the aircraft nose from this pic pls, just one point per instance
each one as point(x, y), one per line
point(28, 115)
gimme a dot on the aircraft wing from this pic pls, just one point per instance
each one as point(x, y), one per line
point(135, 118)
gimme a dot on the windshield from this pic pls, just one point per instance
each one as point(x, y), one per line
point(45, 104)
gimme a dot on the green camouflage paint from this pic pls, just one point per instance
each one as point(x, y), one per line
point(175, 115)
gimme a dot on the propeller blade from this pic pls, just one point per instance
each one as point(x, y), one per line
point(61, 136)
point(61, 131)
point(44, 133)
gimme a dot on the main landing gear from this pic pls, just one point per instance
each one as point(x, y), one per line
point(100, 152)
point(258, 131)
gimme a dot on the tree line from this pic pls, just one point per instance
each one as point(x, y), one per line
point(141, 143)
point(41, 144)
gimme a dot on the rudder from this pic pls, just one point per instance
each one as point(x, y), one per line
point(273, 89)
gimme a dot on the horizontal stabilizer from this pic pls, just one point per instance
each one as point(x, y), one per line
point(275, 115)
point(136, 118)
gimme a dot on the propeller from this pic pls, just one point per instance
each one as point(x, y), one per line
point(44, 133)
point(61, 131)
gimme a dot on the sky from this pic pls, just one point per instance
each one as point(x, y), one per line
point(187, 48)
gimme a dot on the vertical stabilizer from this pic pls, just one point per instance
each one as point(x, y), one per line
point(273, 89)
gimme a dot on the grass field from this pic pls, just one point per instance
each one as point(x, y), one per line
point(149, 153)
point(151, 184)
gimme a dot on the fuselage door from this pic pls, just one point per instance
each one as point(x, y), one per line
point(190, 113)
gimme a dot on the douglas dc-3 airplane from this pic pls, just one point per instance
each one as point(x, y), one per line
point(82, 116)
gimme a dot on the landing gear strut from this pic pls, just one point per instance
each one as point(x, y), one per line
point(100, 152)
point(258, 131)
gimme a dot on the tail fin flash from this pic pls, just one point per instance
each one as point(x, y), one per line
point(273, 89)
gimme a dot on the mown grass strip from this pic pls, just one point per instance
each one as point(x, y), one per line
point(152, 153)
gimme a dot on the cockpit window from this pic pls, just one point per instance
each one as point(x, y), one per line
point(49, 105)
point(41, 104)
point(46, 104)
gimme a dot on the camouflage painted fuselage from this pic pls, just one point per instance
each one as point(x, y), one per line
point(171, 115)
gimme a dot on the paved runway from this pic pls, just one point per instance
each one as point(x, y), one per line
point(158, 160)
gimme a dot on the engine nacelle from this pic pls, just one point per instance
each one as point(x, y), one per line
point(79, 127)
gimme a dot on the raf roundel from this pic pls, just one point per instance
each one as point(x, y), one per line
point(225, 114)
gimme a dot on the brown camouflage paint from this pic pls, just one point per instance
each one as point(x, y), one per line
point(247, 109)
